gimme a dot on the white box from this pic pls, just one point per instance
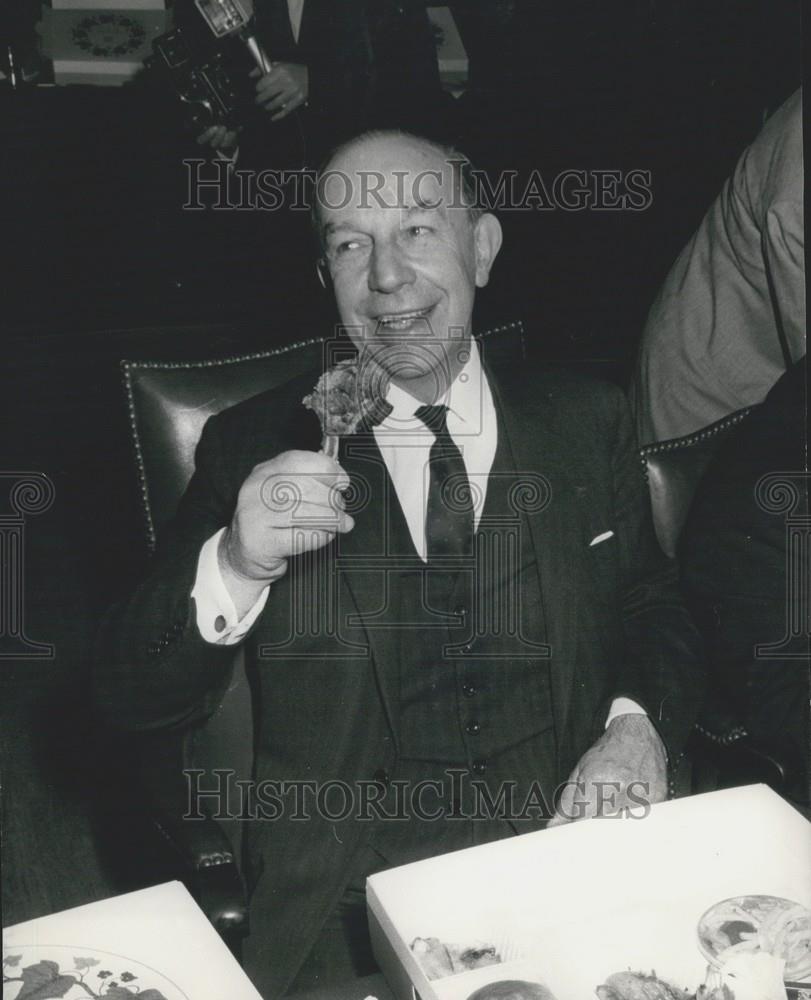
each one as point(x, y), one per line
point(157, 939)
point(570, 906)
point(107, 4)
point(96, 46)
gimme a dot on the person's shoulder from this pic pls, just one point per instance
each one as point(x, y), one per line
point(772, 166)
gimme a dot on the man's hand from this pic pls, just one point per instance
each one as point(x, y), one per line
point(628, 758)
point(220, 139)
point(289, 505)
point(282, 90)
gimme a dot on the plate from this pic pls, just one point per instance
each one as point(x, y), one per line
point(69, 972)
point(759, 923)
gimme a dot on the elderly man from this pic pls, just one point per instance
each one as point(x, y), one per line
point(475, 647)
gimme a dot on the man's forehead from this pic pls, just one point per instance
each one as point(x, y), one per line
point(389, 153)
point(388, 173)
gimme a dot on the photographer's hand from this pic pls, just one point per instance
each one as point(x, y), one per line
point(219, 138)
point(284, 89)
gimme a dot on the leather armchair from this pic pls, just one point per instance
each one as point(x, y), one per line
point(720, 749)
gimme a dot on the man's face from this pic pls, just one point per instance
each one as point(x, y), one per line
point(405, 259)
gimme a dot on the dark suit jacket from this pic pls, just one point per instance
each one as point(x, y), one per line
point(371, 64)
point(327, 710)
point(737, 562)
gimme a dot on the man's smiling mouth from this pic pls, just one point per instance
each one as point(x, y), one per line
point(399, 322)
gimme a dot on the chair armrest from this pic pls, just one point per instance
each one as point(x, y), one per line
point(213, 876)
point(735, 758)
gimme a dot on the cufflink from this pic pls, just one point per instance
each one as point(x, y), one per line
point(219, 623)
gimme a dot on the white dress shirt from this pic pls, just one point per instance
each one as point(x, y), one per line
point(405, 445)
point(295, 8)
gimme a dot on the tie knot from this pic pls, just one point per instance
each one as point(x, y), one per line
point(435, 418)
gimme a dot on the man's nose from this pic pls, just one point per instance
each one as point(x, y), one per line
point(389, 268)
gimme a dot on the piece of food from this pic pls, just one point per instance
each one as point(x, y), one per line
point(343, 397)
point(638, 986)
point(438, 959)
point(715, 993)
point(751, 924)
point(512, 989)
point(434, 958)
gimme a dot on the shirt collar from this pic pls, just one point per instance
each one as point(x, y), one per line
point(463, 397)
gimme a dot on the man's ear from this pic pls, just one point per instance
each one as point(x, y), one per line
point(322, 271)
point(487, 236)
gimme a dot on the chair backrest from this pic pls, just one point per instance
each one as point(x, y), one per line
point(675, 468)
point(169, 403)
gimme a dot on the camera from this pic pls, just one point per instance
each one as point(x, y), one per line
point(205, 79)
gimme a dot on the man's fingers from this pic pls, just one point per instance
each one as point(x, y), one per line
point(580, 799)
point(283, 112)
point(218, 137)
point(270, 84)
point(265, 100)
point(291, 463)
point(317, 515)
point(563, 813)
point(308, 539)
point(211, 135)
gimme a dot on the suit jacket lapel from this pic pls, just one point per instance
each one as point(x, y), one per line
point(539, 450)
point(365, 564)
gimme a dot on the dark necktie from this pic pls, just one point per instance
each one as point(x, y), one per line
point(449, 517)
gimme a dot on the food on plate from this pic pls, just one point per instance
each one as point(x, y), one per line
point(638, 986)
point(752, 924)
point(438, 959)
point(343, 397)
point(512, 989)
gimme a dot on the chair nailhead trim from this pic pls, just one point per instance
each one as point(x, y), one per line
point(128, 367)
point(726, 739)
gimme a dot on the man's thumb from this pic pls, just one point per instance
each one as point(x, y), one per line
point(563, 813)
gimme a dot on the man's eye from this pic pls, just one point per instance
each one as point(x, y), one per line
point(347, 247)
point(417, 231)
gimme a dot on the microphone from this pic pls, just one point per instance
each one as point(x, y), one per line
point(229, 17)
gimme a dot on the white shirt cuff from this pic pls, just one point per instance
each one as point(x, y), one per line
point(217, 619)
point(623, 706)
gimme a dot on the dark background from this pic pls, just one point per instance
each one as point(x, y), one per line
point(101, 264)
